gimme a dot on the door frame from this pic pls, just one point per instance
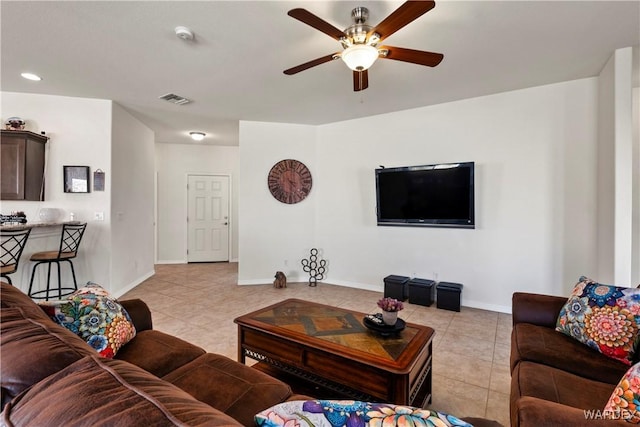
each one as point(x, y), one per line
point(186, 212)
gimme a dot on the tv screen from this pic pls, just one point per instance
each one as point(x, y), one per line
point(439, 195)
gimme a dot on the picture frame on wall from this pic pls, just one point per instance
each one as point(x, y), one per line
point(76, 179)
point(98, 180)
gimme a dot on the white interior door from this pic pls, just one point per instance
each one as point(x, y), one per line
point(208, 218)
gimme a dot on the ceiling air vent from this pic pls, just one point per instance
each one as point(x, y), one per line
point(176, 99)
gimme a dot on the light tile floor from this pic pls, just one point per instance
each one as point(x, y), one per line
point(198, 302)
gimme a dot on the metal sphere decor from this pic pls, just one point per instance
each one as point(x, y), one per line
point(314, 267)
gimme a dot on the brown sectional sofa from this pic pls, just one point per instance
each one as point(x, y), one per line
point(50, 376)
point(554, 378)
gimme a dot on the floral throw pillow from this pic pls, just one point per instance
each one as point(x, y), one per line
point(624, 403)
point(350, 413)
point(604, 317)
point(95, 316)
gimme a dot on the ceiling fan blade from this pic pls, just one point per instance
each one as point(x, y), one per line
point(360, 80)
point(310, 64)
point(430, 59)
point(312, 20)
point(403, 15)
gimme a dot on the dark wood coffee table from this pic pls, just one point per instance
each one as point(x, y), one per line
point(330, 348)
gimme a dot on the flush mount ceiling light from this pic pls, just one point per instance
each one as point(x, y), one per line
point(360, 57)
point(31, 76)
point(197, 136)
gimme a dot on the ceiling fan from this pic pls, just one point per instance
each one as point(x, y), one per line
point(360, 40)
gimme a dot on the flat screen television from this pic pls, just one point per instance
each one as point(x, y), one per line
point(440, 195)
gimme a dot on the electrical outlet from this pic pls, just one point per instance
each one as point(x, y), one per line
point(98, 216)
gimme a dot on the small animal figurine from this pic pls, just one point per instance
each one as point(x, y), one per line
point(281, 280)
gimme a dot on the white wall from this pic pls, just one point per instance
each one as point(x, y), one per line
point(616, 171)
point(605, 172)
point(116, 252)
point(623, 166)
point(174, 162)
point(274, 236)
point(535, 196)
point(132, 201)
point(80, 132)
point(635, 259)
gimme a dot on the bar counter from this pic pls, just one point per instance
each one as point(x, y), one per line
point(5, 227)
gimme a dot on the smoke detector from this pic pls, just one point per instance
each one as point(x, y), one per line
point(184, 33)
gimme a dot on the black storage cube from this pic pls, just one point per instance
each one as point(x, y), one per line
point(449, 295)
point(396, 287)
point(422, 291)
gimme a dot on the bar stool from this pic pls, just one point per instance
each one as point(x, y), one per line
point(12, 243)
point(69, 243)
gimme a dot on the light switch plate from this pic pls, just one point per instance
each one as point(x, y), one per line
point(98, 216)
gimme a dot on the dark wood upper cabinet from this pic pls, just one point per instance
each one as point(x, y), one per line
point(22, 165)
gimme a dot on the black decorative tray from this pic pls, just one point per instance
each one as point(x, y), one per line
point(384, 330)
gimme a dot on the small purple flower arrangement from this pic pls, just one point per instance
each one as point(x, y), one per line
point(390, 304)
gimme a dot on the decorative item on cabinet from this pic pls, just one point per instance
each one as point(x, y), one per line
point(14, 123)
point(22, 157)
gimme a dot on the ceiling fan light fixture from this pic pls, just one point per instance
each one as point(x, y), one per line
point(197, 136)
point(360, 57)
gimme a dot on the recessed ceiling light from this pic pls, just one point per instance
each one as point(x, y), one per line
point(197, 136)
point(31, 76)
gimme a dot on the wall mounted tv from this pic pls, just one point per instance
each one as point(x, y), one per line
point(440, 195)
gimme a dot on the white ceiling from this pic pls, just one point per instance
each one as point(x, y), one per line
point(128, 52)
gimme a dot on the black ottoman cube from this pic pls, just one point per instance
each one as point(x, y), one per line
point(396, 287)
point(449, 295)
point(422, 291)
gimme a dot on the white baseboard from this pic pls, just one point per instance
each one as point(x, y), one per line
point(255, 282)
point(355, 285)
point(485, 306)
point(380, 288)
point(169, 261)
point(133, 284)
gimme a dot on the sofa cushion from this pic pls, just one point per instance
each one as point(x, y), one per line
point(551, 385)
point(625, 400)
point(604, 317)
point(352, 413)
point(32, 349)
point(547, 346)
point(95, 316)
point(236, 389)
point(104, 392)
point(158, 353)
point(12, 297)
point(556, 385)
point(533, 412)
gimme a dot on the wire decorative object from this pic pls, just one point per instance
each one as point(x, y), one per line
point(315, 267)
